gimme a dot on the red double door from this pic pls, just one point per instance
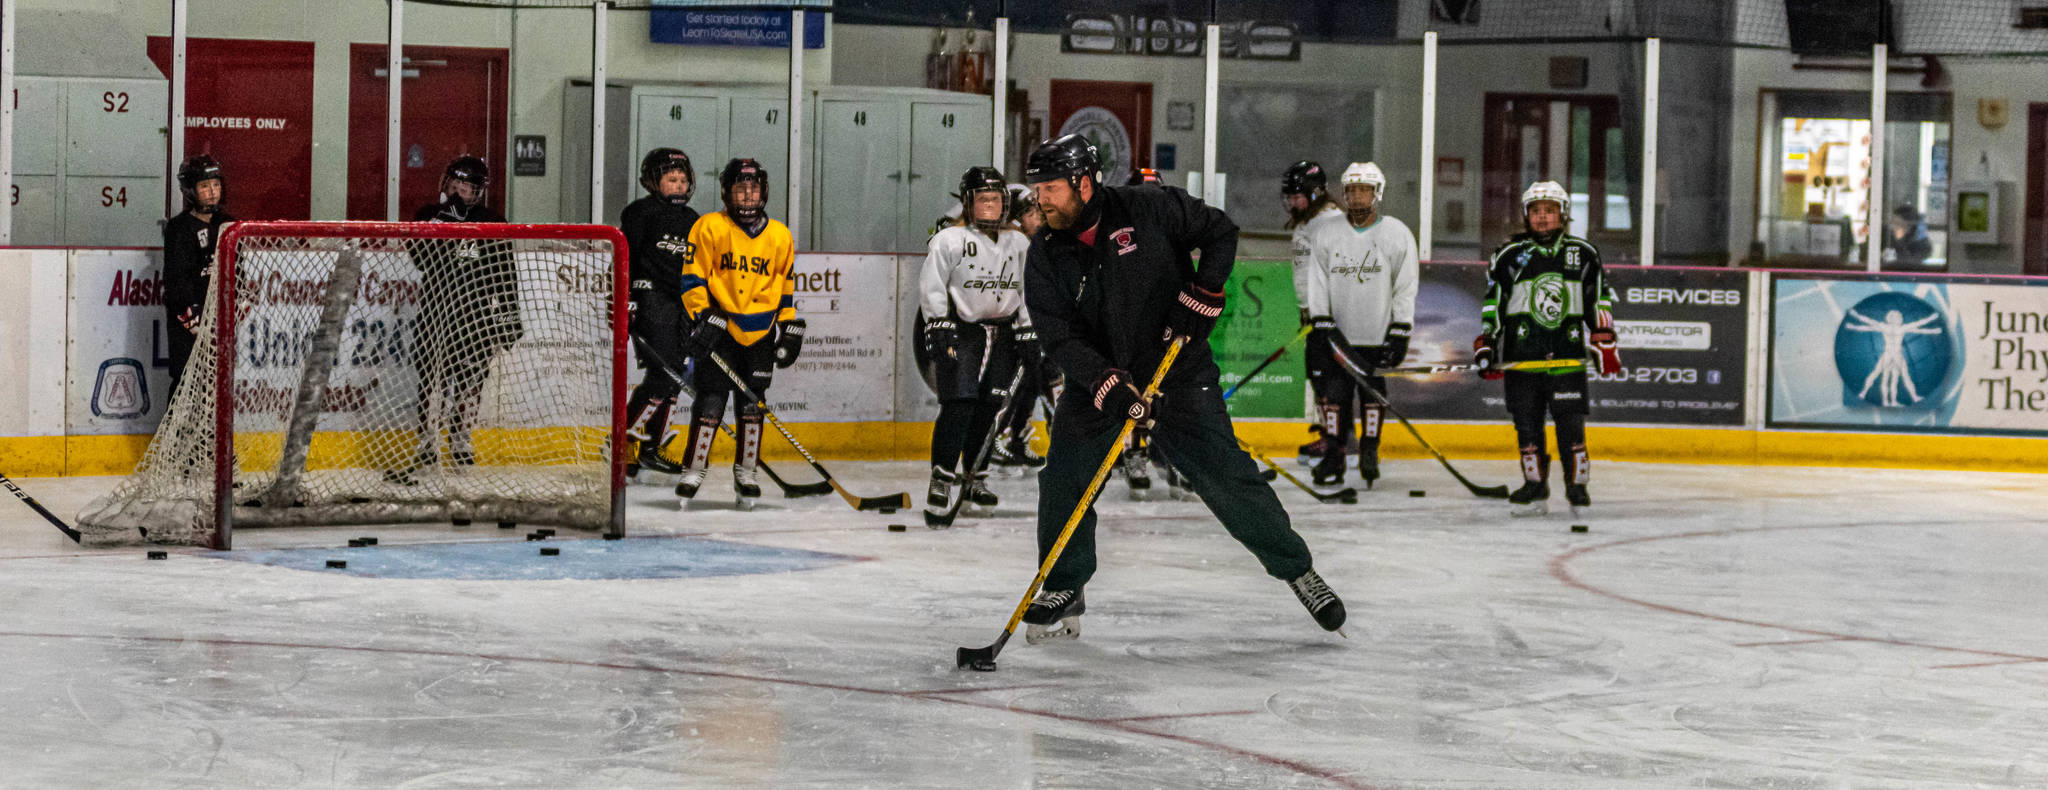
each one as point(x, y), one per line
point(453, 103)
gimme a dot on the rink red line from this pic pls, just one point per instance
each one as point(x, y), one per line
point(1559, 570)
point(1165, 716)
point(1120, 725)
point(1798, 642)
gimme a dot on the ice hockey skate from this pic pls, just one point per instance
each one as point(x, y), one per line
point(1581, 501)
point(746, 487)
point(938, 499)
point(1054, 614)
point(1329, 471)
point(1532, 499)
point(979, 495)
point(1138, 472)
point(653, 467)
point(1322, 604)
point(686, 488)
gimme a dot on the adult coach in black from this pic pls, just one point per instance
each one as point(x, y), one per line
point(189, 240)
point(657, 229)
point(1110, 284)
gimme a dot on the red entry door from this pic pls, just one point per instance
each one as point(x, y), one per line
point(1117, 116)
point(454, 103)
point(249, 104)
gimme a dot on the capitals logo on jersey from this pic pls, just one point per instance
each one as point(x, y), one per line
point(672, 245)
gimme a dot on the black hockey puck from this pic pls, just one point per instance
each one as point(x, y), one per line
point(888, 510)
point(1349, 499)
point(531, 536)
point(356, 543)
point(368, 541)
point(545, 532)
point(550, 551)
point(1579, 528)
point(511, 524)
point(982, 666)
point(612, 536)
point(159, 555)
point(899, 527)
point(337, 563)
point(460, 522)
point(1415, 492)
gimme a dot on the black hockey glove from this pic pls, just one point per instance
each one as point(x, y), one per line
point(1485, 359)
point(941, 335)
point(789, 343)
point(1194, 313)
point(1396, 349)
point(1027, 347)
point(705, 336)
point(1115, 396)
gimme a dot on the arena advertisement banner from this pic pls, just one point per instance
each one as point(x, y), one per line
point(32, 330)
point(849, 340)
point(1683, 335)
point(1909, 355)
point(116, 370)
point(1259, 315)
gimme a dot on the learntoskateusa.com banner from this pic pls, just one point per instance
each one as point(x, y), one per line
point(1909, 355)
point(1683, 335)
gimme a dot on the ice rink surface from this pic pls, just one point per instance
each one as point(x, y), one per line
point(1719, 627)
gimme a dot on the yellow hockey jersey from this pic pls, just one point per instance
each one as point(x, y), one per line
point(752, 279)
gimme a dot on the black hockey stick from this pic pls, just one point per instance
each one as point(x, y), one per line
point(1426, 371)
point(983, 659)
point(1347, 495)
point(892, 501)
point(1350, 366)
point(1270, 359)
point(988, 443)
point(39, 509)
point(789, 491)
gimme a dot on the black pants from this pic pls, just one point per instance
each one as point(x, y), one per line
point(1193, 432)
point(756, 363)
point(971, 384)
point(658, 339)
point(1337, 392)
point(181, 341)
point(1530, 394)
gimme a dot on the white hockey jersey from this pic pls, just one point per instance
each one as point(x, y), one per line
point(976, 278)
point(1363, 278)
point(1302, 251)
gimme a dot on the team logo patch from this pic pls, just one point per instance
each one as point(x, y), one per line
point(1546, 299)
point(1125, 245)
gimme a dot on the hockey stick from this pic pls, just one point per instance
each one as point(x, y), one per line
point(988, 443)
point(1270, 359)
point(983, 659)
point(1433, 370)
point(1347, 495)
point(39, 509)
point(1350, 366)
point(892, 501)
point(788, 491)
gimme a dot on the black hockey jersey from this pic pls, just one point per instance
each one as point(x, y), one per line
point(657, 242)
point(1542, 298)
point(188, 260)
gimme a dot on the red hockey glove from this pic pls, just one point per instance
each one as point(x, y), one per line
point(1194, 313)
point(1484, 358)
point(1115, 396)
point(1607, 354)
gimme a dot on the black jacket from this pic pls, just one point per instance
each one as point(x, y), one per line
point(188, 261)
point(657, 236)
point(1105, 306)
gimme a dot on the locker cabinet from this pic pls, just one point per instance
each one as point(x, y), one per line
point(89, 161)
point(888, 163)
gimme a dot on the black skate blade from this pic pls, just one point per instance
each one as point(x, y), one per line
point(979, 659)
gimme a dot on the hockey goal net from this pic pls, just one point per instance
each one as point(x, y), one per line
point(377, 373)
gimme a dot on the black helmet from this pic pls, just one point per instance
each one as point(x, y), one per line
point(660, 161)
point(470, 170)
point(1143, 175)
point(983, 179)
point(736, 171)
point(196, 169)
point(1305, 178)
point(1070, 156)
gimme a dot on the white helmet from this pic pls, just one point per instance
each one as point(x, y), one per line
point(1366, 173)
point(1547, 190)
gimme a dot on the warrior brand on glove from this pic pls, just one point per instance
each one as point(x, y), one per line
point(1116, 396)
point(790, 342)
point(1396, 346)
point(706, 334)
point(1194, 314)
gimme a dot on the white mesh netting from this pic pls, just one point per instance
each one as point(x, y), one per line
point(464, 378)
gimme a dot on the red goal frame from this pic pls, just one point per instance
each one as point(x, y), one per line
point(224, 331)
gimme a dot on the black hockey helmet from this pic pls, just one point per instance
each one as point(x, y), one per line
point(1143, 175)
point(739, 170)
point(1070, 156)
point(979, 179)
point(659, 162)
point(196, 169)
point(1305, 178)
point(469, 170)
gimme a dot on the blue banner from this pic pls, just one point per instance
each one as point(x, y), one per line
point(695, 23)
